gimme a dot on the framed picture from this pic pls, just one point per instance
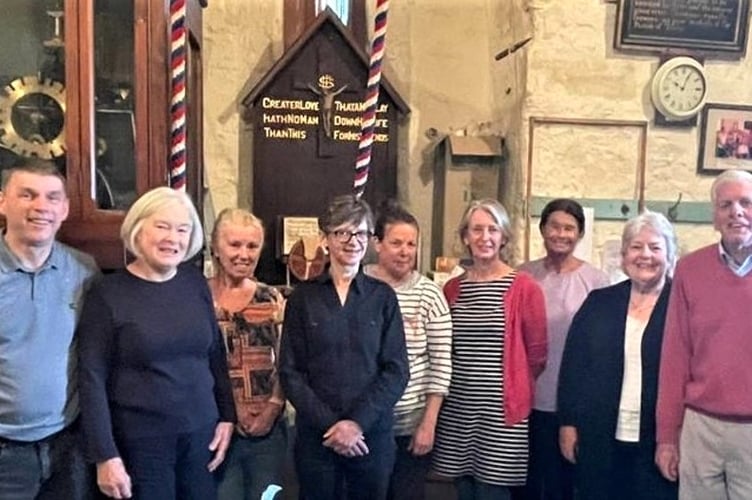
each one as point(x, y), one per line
point(717, 27)
point(725, 138)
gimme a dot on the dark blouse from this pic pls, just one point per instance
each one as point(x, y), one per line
point(343, 361)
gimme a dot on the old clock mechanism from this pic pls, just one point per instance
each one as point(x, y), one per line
point(32, 108)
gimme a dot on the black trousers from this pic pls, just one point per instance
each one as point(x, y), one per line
point(408, 481)
point(549, 475)
point(626, 472)
point(171, 467)
point(326, 475)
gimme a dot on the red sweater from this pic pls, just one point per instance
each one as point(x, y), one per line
point(706, 361)
point(525, 342)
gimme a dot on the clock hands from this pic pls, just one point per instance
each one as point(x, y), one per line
point(686, 79)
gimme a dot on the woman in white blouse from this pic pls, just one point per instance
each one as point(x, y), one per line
point(609, 374)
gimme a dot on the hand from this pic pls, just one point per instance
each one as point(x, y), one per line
point(422, 441)
point(568, 442)
point(261, 424)
point(667, 460)
point(345, 437)
point(112, 478)
point(220, 443)
point(359, 450)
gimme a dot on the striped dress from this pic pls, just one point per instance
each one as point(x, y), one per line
point(471, 438)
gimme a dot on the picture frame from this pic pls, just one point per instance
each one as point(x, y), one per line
point(716, 28)
point(725, 138)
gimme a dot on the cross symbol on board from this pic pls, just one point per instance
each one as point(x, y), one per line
point(326, 88)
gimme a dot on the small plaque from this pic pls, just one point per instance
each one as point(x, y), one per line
point(295, 228)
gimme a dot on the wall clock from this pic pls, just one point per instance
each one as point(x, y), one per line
point(32, 117)
point(679, 88)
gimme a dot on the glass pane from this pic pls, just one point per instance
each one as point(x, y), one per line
point(339, 7)
point(32, 81)
point(115, 174)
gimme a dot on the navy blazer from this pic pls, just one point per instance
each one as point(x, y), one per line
point(593, 366)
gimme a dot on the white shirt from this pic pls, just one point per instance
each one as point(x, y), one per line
point(628, 422)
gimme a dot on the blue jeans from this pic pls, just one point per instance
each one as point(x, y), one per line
point(253, 463)
point(50, 469)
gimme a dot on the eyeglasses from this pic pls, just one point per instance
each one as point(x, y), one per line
point(345, 236)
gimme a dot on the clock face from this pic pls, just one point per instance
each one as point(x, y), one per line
point(32, 117)
point(679, 88)
point(683, 89)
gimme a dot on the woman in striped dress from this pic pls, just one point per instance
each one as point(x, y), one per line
point(428, 333)
point(498, 349)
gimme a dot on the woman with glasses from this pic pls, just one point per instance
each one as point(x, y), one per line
point(498, 350)
point(343, 365)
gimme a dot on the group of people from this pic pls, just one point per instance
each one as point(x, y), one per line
point(541, 382)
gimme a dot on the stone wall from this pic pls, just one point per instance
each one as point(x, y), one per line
point(573, 71)
point(440, 58)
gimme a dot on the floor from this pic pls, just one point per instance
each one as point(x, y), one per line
point(435, 490)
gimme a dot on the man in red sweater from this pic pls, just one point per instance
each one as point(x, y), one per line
point(704, 414)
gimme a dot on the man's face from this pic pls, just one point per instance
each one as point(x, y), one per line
point(732, 214)
point(34, 207)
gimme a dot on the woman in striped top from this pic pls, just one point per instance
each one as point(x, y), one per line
point(498, 349)
point(428, 333)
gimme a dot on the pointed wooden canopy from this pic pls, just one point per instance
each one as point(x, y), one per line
point(326, 17)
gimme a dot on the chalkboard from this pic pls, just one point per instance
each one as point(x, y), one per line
point(717, 26)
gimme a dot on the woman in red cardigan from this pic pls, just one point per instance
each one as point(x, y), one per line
point(499, 348)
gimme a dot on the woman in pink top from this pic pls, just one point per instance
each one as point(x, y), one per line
point(566, 281)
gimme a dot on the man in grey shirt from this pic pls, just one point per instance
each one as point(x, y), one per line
point(41, 286)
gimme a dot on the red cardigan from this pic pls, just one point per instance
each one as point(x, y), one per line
point(525, 342)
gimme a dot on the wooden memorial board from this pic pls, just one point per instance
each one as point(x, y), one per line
point(306, 118)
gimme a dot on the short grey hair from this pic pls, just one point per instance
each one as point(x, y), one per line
point(658, 223)
point(493, 208)
point(152, 202)
point(733, 175)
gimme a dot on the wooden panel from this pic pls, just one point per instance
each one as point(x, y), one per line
point(297, 15)
point(73, 115)
point(298, 167)
point(159, 92)
point(88, 228)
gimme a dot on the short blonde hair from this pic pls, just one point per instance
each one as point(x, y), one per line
point(152, 202)
point(238, 216)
